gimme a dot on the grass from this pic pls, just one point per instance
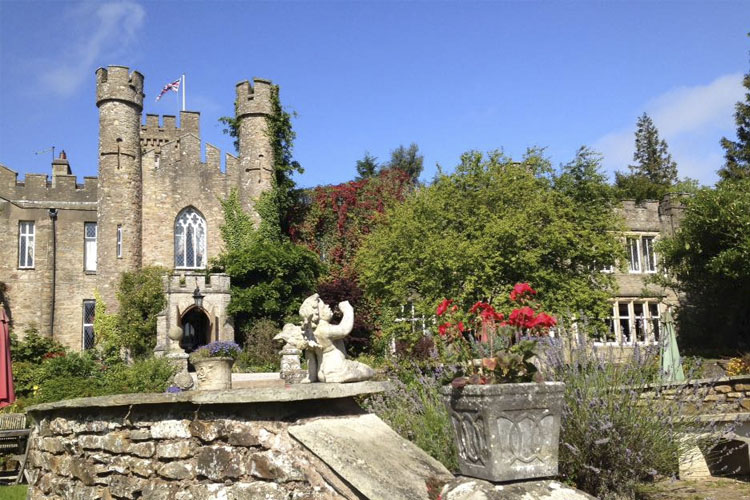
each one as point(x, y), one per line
point(13, 492)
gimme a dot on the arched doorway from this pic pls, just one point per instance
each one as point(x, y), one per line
point(196, 329)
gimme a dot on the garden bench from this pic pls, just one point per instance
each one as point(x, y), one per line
point(14, 441)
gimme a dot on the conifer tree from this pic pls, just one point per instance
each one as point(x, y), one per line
point(367, 167)
point(654, 171)
point(737, 153)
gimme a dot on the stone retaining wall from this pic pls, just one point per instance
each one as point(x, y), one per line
point(725, 394)
point(181, 450)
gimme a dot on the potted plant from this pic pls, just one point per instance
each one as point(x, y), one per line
point(213, 365)
point(506, 419)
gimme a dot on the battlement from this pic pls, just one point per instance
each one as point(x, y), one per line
point(118, 83)
point(254, 99)
point(39, 188)
point(155, 135)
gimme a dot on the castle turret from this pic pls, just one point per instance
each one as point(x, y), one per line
point(253, 107)
point(119, 97)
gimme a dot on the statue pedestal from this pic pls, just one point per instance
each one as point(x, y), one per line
point(291, 369)
point(182, 378)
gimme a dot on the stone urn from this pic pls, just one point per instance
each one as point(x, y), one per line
point(506, 432)
point(214, 374)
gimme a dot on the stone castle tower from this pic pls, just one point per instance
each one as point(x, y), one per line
point(156, 201)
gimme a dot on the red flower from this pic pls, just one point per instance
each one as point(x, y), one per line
point(489, 314)
point(522, 317)
point(454, 309)
point(477, 306)
point(443, 329)
point(461, 327)
point(443, 307)
point(544, 320)
point(520, 290)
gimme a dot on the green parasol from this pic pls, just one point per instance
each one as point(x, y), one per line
point(671, 365)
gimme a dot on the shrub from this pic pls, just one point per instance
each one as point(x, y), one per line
point(414, 409)
point(141, 297)
point(33, 348)
point(260, 353)
point(612, 437)
point(144, 375)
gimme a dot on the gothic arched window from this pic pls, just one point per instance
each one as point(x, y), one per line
point(190, 240)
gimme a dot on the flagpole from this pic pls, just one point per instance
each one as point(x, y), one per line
point(183, 91)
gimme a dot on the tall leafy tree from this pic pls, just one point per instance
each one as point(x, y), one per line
point(407, 160)
point(653, 172)
point(737, 153)
point(709, 263)
point(473, 234)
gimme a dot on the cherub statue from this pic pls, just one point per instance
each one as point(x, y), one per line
point(330, 353)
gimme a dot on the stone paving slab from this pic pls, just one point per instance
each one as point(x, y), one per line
point(286, 393)
point(372, 457)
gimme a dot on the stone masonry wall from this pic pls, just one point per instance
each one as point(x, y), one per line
point(178, 452)
point(29, 296)
point(723, 395)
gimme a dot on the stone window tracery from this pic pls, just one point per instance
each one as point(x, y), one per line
point(190, 240)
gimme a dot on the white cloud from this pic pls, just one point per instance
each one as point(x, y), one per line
point(103, 31)
point(691, 120)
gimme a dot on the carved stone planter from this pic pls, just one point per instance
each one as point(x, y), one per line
point(214, 374)
point(506, 432)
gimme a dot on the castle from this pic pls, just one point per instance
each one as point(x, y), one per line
point(155, 202)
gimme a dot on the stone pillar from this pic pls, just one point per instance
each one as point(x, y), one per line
point(119, 97)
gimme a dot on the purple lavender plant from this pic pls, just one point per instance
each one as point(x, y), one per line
point(218, 349)
point(173, 389)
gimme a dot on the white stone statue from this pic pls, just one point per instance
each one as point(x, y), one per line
point(323, 343)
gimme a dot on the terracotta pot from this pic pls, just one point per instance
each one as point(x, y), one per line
point(214, 374)
point(506, 432)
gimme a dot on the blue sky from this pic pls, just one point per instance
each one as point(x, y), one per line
point(368, 76)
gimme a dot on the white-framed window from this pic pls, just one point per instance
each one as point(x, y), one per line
point(649, 257)
point(641, 254)
point(89, 246)
point(87, 339)
point(26, 244)
point(190, 240)
point(119, 241)
point(634, 254)
point(636, 321)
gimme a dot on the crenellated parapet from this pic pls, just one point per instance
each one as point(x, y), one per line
point(155, 134)
point(40, 189)
point(119, 84)
point(254, 99)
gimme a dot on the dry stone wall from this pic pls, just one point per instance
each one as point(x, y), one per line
point(180, 452)
point(722, 395)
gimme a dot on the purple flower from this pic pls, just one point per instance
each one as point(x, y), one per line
point(173, 389)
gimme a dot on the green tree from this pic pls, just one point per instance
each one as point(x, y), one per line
point(367, 167)
point(141, 297)
point(407, 160)
point(708, 260)
point(473, 234)
point(270, 275)
point(737, 153)
point(654, 171)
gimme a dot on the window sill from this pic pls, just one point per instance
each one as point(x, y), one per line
point(26, 268)
point(90, 273)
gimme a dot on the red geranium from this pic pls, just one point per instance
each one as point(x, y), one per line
point(443, 306)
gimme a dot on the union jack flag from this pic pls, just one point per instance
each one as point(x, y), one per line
point(174, 86)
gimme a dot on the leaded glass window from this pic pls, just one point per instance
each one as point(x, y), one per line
point(190, 240)
point(26, 245)
point(89, 307)
point(89, 246)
